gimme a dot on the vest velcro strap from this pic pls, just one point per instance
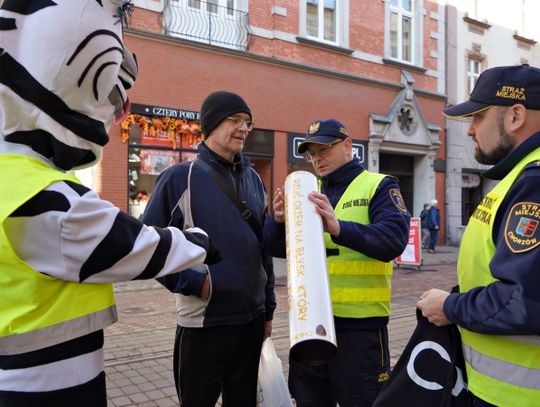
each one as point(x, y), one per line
point(332, 252)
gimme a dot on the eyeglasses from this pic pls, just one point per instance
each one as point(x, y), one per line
point(238, 121)
point(321, 152)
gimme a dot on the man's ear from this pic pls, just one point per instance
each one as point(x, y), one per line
point(348, 145)
point(518, 115)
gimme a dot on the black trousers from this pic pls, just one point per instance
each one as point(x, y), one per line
point(353, 377)
point(221, 359)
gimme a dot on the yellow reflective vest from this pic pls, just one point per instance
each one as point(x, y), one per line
point(360, 286)
point(501, 369)
point(36, 310)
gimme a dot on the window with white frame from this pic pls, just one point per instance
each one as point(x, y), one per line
point(212, 5)
point(322, 20)
point(221, 23)
point(401, 29)
point(473, 72)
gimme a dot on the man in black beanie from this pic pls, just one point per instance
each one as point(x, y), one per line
point(225, 310)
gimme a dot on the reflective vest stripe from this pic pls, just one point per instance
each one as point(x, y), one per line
point(355, 267)
point(360, 294)
point(497, 342)
point(530, 339)
point(503, 371)
point(370, 308)
point(48, 336)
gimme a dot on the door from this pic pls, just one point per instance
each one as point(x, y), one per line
point(401, 167)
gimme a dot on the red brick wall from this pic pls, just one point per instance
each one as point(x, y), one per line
point(111, 173)
point(175, 74)
point(281, 99)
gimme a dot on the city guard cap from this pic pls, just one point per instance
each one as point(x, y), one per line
point(501, 86)
point(323, 132)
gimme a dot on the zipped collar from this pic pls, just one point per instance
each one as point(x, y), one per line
point(344, 175)
point(210, 156)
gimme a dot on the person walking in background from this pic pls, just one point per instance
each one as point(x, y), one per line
point(61, 246)
point(366, 224)
point(497, 305)
point(224, 311)
point(434, 224)
point(424, 226)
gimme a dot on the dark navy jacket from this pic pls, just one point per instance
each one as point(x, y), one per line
point(242, 283)
point(511, 305)
point(384, 239)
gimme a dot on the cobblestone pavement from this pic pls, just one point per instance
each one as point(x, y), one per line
point(138, 348)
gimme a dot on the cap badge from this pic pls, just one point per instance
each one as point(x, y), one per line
point(314, 127)
point(343, 130)
point(511, 92)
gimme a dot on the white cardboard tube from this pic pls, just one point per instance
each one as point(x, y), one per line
point(311, 320)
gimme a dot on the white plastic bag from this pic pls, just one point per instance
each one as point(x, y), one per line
point(272, 390)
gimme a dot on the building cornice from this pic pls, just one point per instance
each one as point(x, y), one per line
point(276, 61)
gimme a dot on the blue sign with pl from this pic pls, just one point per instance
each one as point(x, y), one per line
point(359, 148)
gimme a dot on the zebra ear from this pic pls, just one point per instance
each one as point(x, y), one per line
point(124, 11)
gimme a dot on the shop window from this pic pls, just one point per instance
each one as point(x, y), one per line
point(260, 143)
point(155, 143)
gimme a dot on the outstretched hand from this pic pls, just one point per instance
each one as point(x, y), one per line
point(278, 205)
point(325, 209)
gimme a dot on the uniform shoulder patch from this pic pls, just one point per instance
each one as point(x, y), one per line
point(521, 232)
point(395, 194)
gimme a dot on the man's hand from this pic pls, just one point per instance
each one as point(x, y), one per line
point(431, 304)
point(324, 208)
point(205, 289)
point(267, 329)
point(278, 205)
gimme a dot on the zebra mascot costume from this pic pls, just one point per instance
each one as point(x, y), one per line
point(64, 72)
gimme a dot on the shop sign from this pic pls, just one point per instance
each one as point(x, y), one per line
point(164, 112)
point(359, 149)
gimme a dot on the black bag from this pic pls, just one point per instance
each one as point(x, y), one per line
point(430, 372)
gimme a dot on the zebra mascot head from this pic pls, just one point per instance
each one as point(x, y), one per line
point(64, 72)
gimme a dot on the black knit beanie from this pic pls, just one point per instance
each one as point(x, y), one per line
point(219, 105)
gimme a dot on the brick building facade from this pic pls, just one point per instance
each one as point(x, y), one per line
point(386, 84)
